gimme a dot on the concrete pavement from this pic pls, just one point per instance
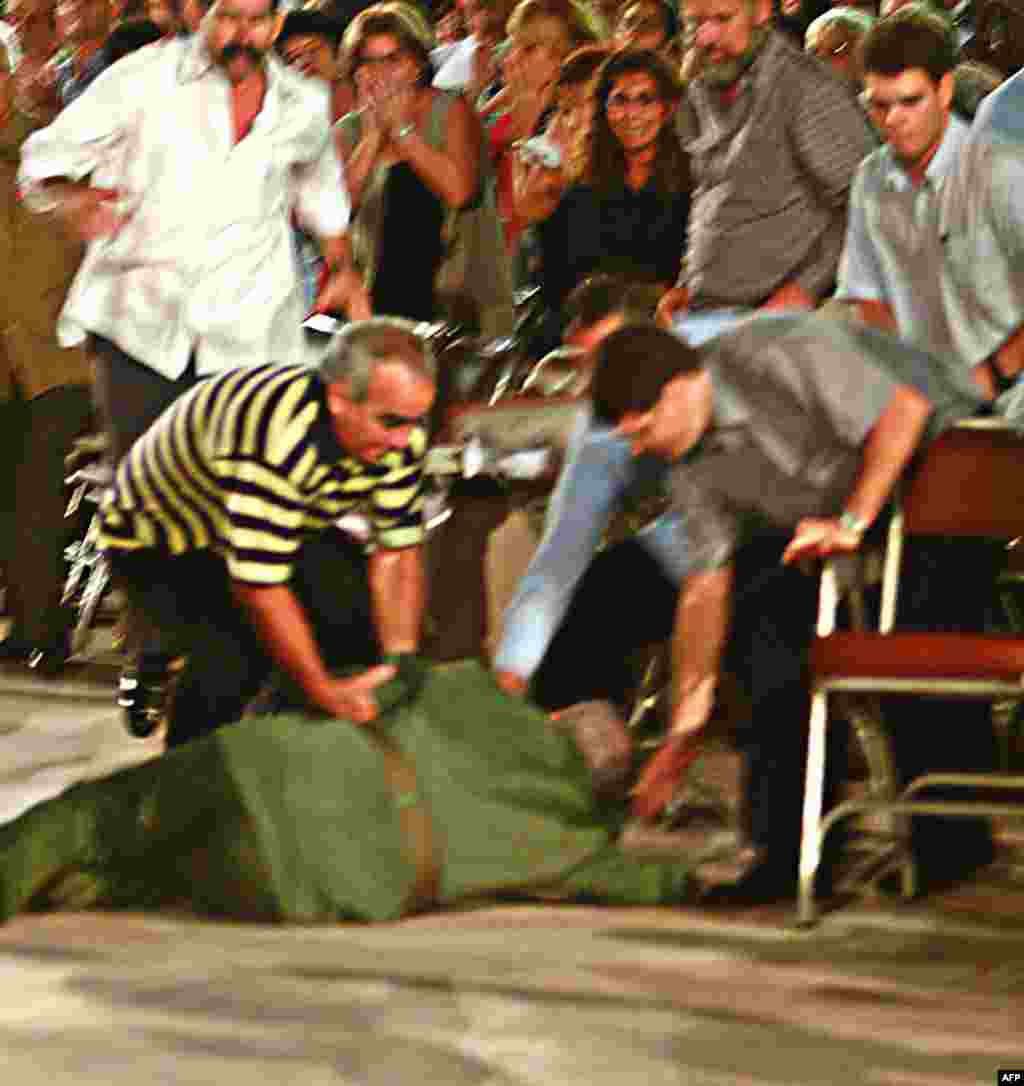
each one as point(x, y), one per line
point(879, 993)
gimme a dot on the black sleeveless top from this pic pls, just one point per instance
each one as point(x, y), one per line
point(409, 247)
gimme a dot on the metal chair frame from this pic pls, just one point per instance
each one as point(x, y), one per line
point(86, 561)
point(992, 446)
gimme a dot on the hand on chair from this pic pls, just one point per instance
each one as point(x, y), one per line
point(818, 537)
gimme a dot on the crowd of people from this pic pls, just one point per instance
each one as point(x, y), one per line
point(786, 244)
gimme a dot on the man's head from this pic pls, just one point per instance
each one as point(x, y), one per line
point(651, 384)
point(726, 35)
point(308, 42)
point(380, 385)
point(908, 60)
point(601, 305)
point(239, 33)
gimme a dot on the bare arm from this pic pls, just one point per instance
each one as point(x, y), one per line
point(702, 625)
point(450, 173)
point(282, 624)
point(343, 290)
point(536, 190)
point(359, 161)
point(1009, 360)
point(886, 452)
point(398, 594)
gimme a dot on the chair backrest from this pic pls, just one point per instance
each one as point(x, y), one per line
point(970, 482)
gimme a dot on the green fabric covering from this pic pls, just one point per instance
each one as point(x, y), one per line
point(292, 817)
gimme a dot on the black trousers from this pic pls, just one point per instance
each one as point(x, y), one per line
point(36, 436)
point(623, 603)
point(187, 608)
point(129, 395)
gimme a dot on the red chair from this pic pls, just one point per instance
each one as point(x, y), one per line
point(969, 483)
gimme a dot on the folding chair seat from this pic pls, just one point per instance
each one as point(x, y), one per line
point(969, 483)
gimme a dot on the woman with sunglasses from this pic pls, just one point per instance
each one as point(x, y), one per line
point(627, 213)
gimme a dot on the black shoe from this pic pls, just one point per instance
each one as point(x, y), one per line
point(49, 660)
point(764, 882)
point(142, 697)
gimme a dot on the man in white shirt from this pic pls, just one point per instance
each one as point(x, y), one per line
point(181, 166)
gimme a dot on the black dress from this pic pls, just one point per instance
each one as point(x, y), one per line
point(409, 247)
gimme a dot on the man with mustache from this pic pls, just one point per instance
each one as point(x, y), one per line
point(774, 142)
point(181, 167)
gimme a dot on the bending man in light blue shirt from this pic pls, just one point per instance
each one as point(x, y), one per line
point(598, 477)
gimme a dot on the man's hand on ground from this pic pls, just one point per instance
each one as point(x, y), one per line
point(662, 776)
point(353, 698)
point(664, 772)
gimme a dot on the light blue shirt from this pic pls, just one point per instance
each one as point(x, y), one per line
point(948, 255)
point(1001, 113)
point(893, 250)
point(599, 471)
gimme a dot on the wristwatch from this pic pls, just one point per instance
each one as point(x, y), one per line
point(405, 131)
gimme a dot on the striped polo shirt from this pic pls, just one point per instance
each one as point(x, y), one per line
point(247, 463)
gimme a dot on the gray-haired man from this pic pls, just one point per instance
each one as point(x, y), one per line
point(220, 528)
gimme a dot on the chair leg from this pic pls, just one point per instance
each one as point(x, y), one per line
point(810, 836)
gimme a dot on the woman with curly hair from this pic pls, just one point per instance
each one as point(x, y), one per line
point(627, 213)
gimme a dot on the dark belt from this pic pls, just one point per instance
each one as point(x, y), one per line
point(417, 825)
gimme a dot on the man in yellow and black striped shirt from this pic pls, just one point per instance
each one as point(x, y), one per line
point(220, 526)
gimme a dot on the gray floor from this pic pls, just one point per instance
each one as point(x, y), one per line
point(930, 993)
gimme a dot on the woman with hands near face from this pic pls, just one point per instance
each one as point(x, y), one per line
point(402, 175)
point(626, 211)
